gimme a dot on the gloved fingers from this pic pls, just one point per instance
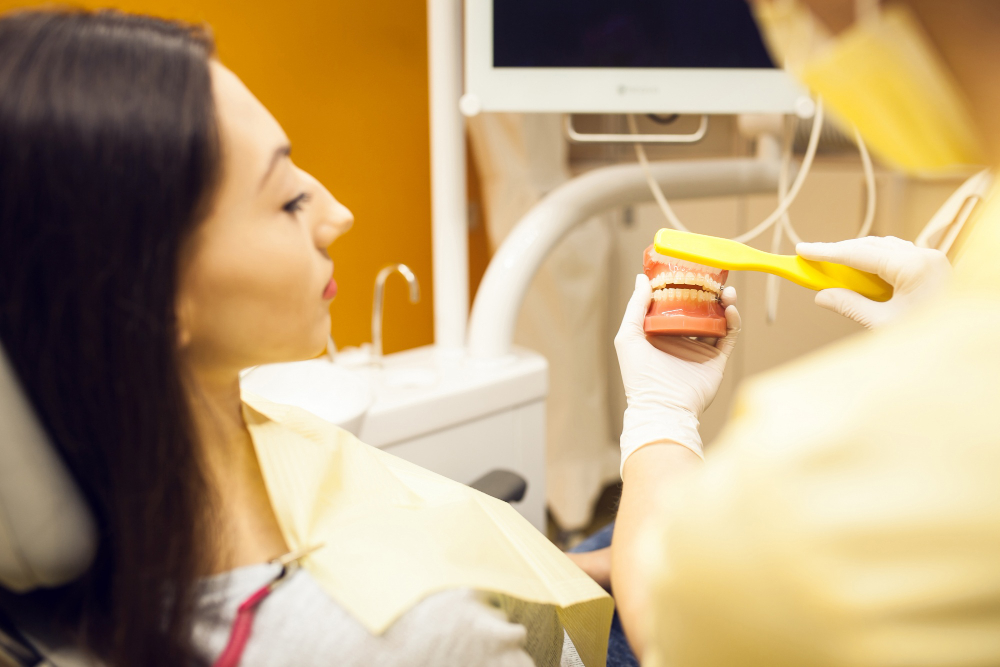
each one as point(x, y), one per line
point(733, 325)
point(728, 297)
point(850, 304)
point(684, 348)
point(880, 255)
point(635, 310)
point(923, 268)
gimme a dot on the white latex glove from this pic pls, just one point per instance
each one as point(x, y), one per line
point(669, 380)
point(914, 273)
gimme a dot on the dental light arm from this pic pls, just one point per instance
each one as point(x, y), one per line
point(47, 534)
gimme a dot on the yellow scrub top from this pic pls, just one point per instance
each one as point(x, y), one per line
point(850, 512)
point(394, 533)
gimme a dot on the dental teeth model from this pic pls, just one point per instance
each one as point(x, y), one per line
point(685, 297)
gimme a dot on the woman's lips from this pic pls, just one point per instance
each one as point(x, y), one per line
point(331, 289)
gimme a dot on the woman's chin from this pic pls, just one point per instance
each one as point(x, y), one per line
point(300, 349)
point(313, 350)
point(320, 340)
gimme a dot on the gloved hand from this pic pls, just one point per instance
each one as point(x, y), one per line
point(669, 380)
point(914, 273)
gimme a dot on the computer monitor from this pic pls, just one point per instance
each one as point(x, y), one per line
point(619, 56)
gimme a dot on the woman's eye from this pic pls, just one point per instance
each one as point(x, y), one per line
point(295, 205)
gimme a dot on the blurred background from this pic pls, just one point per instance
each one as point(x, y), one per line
point(348, 82)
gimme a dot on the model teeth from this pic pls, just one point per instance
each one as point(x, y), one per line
point(687, 278)
point(680, 263)
point(682, 294)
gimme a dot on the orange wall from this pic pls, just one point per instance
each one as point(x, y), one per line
point(348, 81)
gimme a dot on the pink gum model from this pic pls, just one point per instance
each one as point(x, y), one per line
point(685, 297)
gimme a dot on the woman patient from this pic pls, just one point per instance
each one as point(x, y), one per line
point(155, 239)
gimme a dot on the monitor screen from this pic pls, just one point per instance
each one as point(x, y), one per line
point(626, 33)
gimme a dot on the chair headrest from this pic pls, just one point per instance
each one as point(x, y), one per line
point(47, 532)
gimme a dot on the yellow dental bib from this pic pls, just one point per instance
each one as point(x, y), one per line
point(395, 533)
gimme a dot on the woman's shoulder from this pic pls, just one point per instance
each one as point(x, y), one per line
point(300, 624)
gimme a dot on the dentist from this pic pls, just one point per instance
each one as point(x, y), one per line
point(850, 512)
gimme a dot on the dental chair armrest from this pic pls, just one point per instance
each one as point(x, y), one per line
point(503, 485)
point(15, 649)
point(30, 635)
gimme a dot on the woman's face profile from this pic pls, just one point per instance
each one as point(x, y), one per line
point(254, 284)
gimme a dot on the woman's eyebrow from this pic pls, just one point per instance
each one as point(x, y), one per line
point(282, 151)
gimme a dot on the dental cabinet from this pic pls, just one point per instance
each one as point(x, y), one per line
point(463, 419)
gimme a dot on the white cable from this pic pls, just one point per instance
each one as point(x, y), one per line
point(783, 205)
point(870, 194)
point(800, 178)
point(793, 236)
point(869, 169)
point(785, 195)
point(786, 167)
point(640, 153)
point(772, 285)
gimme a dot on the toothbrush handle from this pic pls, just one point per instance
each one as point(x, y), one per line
point(824, 275)
point(732, 255)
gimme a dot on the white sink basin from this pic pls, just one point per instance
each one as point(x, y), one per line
point(337, 394)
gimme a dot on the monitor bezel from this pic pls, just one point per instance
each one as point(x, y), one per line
point(616, 90)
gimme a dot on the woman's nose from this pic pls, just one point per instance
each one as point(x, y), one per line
point(330, 218)
point(334, 220)
point(343, 219)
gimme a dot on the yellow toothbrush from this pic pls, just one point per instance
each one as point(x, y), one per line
point(725, 254)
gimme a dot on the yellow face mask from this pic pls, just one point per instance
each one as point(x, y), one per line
point(884, 77)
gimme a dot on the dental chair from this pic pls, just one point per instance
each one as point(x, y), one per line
point(48, 536)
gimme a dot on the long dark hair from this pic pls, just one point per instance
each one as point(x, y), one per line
point(108, 161)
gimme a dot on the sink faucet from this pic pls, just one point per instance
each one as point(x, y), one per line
point(378, 306)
